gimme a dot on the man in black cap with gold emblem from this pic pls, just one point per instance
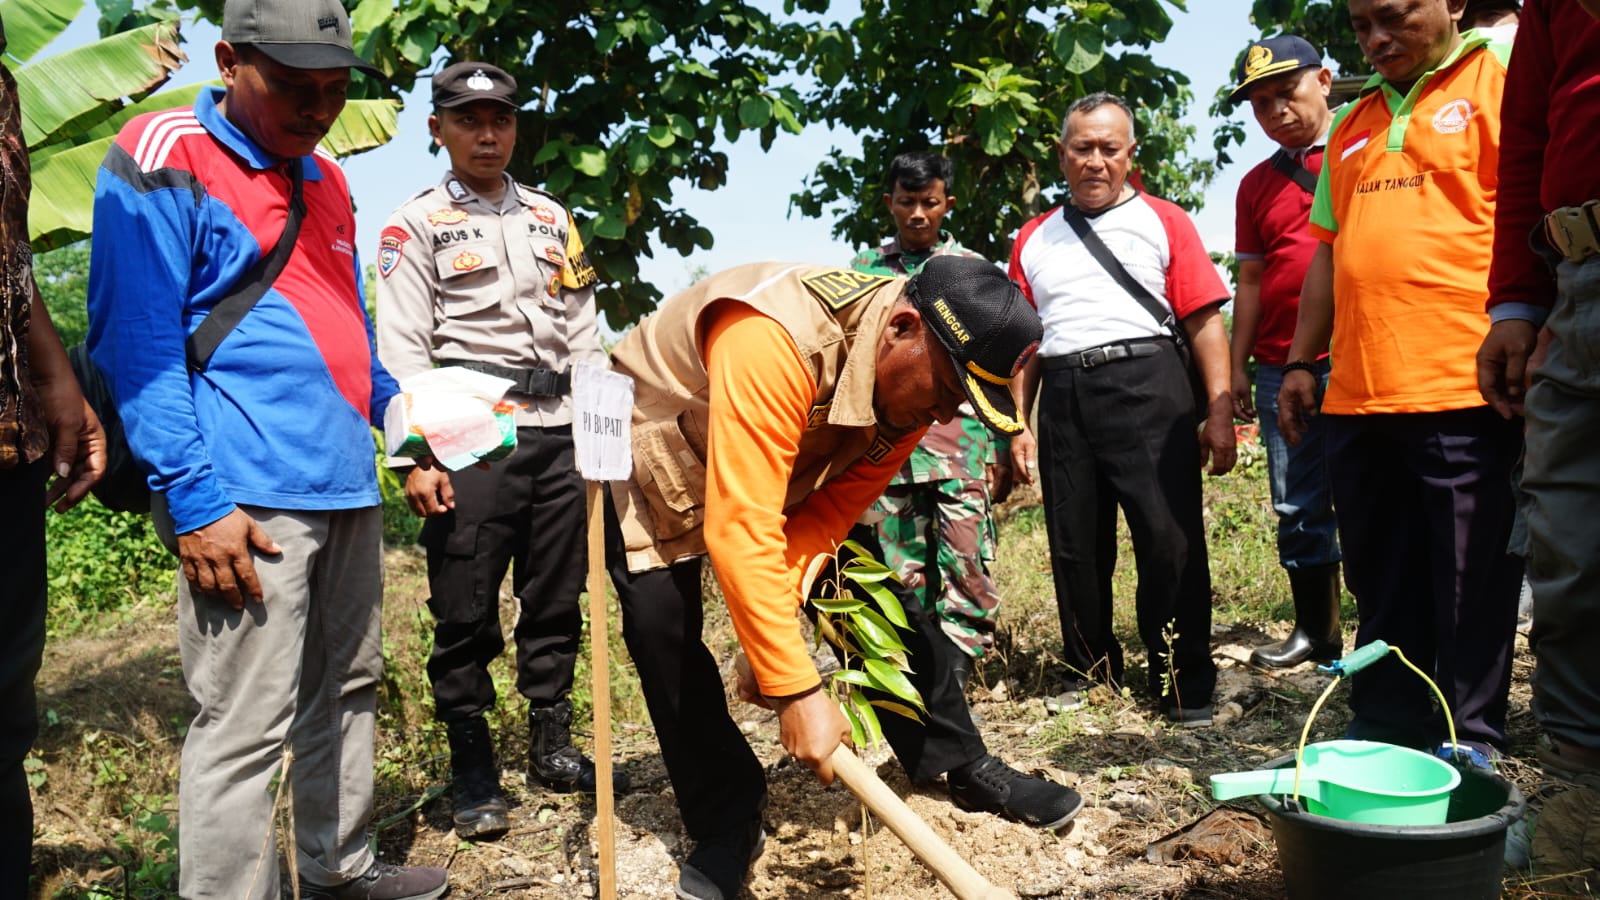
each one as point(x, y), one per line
point(480, 271)
point(773, 402)
point(1283, 81)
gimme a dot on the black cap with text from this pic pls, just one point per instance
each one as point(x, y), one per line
point(989, 327)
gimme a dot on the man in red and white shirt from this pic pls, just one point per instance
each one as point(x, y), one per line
point(1116, 413)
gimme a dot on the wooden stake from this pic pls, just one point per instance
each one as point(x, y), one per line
point(600, 688)
point(946, 865)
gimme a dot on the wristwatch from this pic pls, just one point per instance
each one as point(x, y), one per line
point(1299, 365)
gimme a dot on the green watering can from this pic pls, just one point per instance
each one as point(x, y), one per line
point(1357, 781)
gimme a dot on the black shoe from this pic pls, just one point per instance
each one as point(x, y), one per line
point(989, 785)
point(478, 807)
point(1188, 717)
point(717, 868)
point(382, 881)
point(554, 762)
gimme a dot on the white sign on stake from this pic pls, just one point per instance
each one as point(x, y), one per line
point(602, 411)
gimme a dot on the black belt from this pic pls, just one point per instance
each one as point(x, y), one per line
point(537, 382)
point(1099, 356)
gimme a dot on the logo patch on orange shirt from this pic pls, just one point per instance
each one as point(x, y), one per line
point(447, 217)
point(466, 261)
point(1453, 117)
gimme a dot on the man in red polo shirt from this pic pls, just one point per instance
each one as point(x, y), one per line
point(1287, 87)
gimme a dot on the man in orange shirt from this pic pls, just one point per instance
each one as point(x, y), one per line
point(1420, 466)
point(772, 404)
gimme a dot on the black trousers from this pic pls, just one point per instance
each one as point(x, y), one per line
point(1124, 434)
point(525, 512)
point(716, 776)
point(1425, 510)
point(23, 595)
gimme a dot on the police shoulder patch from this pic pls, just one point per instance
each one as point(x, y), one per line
point(838, 288)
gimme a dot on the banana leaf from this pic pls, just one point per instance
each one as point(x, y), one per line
point(31, 24)
point(67, 93)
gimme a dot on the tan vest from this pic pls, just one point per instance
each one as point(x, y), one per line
point(834, 317)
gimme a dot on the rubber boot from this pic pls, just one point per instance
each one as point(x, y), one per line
point(1316, 621)
point(553, 761)
point(478, 806)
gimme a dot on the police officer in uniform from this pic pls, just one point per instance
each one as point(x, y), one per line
point(480, 271)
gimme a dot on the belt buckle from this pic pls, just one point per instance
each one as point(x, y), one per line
point(1572, 231)
point(1094, 356)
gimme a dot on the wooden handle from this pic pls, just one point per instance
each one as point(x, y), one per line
point(600, 686)
point(946, 865)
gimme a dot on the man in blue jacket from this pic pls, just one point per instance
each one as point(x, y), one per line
point(260, 460)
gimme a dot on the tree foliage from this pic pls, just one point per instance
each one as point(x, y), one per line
point(986, 83)
point(623, 100)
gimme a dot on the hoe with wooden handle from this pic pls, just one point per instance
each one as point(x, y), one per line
point(956, 874)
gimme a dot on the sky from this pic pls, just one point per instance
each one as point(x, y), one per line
point(749, 215)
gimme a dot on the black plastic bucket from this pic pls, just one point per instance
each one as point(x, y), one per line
point(1326, 859)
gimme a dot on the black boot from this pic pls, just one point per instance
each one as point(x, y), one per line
point(479, 808)
point(553, 761)
point(1316, 621)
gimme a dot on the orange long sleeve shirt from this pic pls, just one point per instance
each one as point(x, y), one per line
point(761, 395)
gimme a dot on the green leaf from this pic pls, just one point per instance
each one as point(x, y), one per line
point(898, 709)
point(854, 676)
point(888, 601)
point(588, 159)
point(609, 226)
point(869, 719)
point(62, 208)
point(69, 92)
point(661, 136)
point(858, 730)
point(559, 179)
point(1079, 46)
point(363, 125)
point(640, 155)
point(894, 680)
point(681, 126)
point(549, 151)
point(754, 112)
point(875, 632)
point(32, 24)
point(370, 15)
point(838, 605)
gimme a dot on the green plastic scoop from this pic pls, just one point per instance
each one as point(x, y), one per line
point(1357, 781)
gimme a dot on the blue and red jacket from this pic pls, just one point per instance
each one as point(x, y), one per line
point(184, 205)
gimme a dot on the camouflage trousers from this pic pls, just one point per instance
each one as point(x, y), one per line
point(939, 537)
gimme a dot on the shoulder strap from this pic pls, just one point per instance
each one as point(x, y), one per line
point(1295, 172)
point(231, 310)
point(1102, 255)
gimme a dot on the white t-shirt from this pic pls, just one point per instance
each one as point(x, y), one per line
point(1079, 302)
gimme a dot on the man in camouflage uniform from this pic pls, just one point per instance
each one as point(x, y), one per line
point(934, 524)
point(483, 272)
